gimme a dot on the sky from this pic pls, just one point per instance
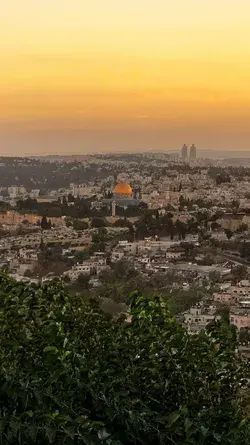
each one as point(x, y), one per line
point(79, 76)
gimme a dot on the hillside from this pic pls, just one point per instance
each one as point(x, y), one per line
point(70, 374)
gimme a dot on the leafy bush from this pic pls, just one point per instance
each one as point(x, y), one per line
point(80, 225)
point(99, 222)
point(71, 374)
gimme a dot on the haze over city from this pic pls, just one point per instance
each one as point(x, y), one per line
point(134, 75)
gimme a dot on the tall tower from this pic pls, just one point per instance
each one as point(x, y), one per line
point(192, 154)
point(184, 152)
point(115, 180)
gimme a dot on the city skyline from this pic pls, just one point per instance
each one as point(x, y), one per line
point(138, 76)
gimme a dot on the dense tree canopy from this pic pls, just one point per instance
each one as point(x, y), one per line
point(71, 374)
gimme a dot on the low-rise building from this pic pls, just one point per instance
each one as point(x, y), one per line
point(199, 316)
point(224, 298)
point(240, 319)
point(170, 255)
point(117, 255)
point(79, 269)
point(94, 265)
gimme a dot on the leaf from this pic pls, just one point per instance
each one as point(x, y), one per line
point(166, 384)
point(187, 424)
point(32, 432)
point(204, 431)
point(70, 432)
point(90, 440)
point(172, 418)
point(51, 434)
point(103, 434)
point(52, 349)
point(66, 354)
point(217, 437)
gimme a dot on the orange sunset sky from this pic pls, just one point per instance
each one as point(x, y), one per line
point(112, 75)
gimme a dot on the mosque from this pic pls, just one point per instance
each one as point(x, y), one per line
point(123, 196)
point(122, 191)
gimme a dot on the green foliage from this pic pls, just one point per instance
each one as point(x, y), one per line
point(208, 260)
point(244, 336)
point(123, 222)
point(244, 249)
point(214, 276)
point(239, 272)
point(224, 332)
point(99, 222)
point(80, 225)
point(99, 238)
point(181, 300)
point(228, 233)
point(83, 281)
point(45, 224)
point(71, 374)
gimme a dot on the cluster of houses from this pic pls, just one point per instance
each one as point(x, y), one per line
point(235, 297)
point(19, 253)
point(154, 255)
point(238, 300)
point(94, 265)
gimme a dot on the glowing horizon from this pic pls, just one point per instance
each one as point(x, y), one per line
point(110, 75)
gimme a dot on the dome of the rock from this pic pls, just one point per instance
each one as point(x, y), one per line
point(122, 189)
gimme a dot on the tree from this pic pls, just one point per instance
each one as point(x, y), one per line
point(42, 245)
point(44, 223)
point(224, 332)
point(122, 222)
point(71, 198)
point(68, 222)
point(181, 229)
point(55, 211)
point(208, 260)
point(83, 281)
point(182, 300)
point(81, 255)
point(243, 228)
point(245, 249)
point(72, 374)
point(80, 225)
point(222, 178)
point(214, 276)
point(215, 225)
point(244, 336)
point(99, 222)
point(239, 272)
point(235, 205)
point(28, 273)
point(99, 239)
point(123, 269)
point(228, 233)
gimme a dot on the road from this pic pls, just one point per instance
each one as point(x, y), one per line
point(235, 259)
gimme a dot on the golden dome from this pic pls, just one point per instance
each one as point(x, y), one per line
point(122, 189)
